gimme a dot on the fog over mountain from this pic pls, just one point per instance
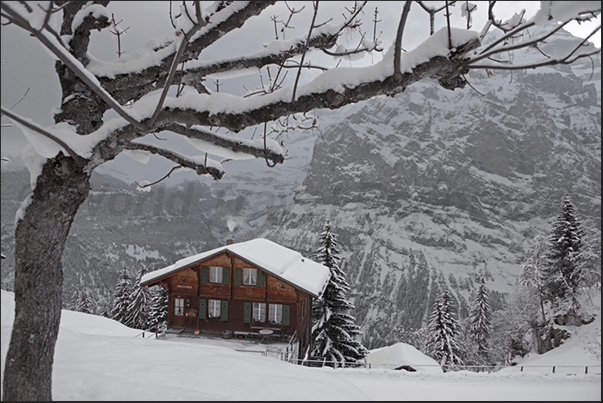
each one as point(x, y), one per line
point(428, 189)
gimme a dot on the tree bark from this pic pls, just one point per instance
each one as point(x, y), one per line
point(39, 242)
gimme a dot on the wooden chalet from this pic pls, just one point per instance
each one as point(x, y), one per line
point(242, 288)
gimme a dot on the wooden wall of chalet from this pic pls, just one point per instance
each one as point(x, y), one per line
point(183, 285)
point(192, 285)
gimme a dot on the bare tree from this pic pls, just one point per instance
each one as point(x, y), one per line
point(138, 90)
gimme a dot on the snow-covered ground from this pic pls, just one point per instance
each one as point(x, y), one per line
point(100, 359)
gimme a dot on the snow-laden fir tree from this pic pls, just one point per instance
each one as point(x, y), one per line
point(443, 329)
point(480, 317)
point(589, 260)
point(532, 276)
point(562, 276)
point(121, 298)
point(74, 300)
point(158, 310)
point(140, 301)
point(105, 310)
point(334, 330)
point(84, 303)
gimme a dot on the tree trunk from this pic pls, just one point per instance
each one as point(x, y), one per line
point(39, 242)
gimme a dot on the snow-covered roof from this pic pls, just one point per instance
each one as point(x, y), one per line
point(286, 264)
point(399, 354)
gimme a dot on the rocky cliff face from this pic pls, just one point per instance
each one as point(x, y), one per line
point(435, 188)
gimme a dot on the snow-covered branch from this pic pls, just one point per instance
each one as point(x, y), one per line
point(274, 53)
point(140, 74)
point(332, 89)
point(248, 148)
point(76, 66)
point(36, 128)
point(200, 164)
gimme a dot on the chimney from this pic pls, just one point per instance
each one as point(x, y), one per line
point(230, 241)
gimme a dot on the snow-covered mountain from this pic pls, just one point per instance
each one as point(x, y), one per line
point(429, 189)
point(434, 188)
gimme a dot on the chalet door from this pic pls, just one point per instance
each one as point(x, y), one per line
point(178, 312)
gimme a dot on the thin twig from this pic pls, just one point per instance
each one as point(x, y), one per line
point(187, 37)
point(398, 45)
point(158, 180)
point(305, 50)
point(448, 26)
point(585, 40)
point(265, 149)
point(472, 87)
point(520, 45)
point(19, 101)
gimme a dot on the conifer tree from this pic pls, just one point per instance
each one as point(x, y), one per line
point(105, 311)
point(158, 311)
point(443, 330)
point(84, 303)
point(532, 276)
point(75, 298)
point(480, 316)
point(121, 298)
point(140, 300)
point(334, 331)
point(562, 276)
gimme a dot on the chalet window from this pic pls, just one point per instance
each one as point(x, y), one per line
point(214, 308)
point(259, 312)
point(179, 306)
point(215, 274)
point(279, 314)
point(253, 277)
point(250, 276)
point(275, 314)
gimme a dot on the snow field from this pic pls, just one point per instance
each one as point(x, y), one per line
point(99, 359)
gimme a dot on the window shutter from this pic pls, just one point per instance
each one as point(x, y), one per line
point(224, 312)
point(238, 276)
point(226, 275)
point(260, 279)
point(202, 309)
point(204, 274)
point(247, 312)
point(286, 315)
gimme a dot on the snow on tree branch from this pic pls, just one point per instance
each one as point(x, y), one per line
point(200, 164)
point(29, 126)
point(51, 43)
point(229, 146)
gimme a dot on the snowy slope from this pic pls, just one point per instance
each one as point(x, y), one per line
point(581, 350)
point(99, 360)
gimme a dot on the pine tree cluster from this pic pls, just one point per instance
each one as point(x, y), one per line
point(139, 307)
point(134, 306)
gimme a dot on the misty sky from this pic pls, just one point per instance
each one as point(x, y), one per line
point(26, 65)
